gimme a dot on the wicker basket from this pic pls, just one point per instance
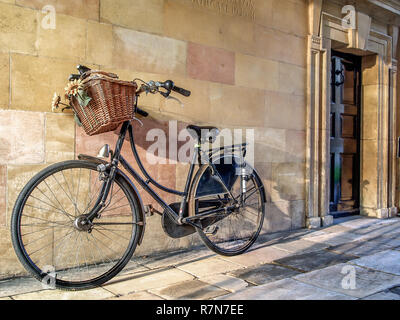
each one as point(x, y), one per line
point(112, 102)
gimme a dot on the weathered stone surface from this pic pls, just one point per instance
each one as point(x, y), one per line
point(18, 145)
point(257, 73)
point(37, 78)
point(261, 274)
point(258, 255)
point(287, 181)
point(332, 238)
point(18, 29)
point(300, 246)
point(193, 290)
point(99, 52)
point(225, 282)
point(314, 260)
point(269, 45)
point(292, 79)
point(366, 281)
point(290, 16)
point(9, 263)
point(92, 294)
point(88, 9)
point(285, 111)
point(143, 15)
point(209, 266)
point(242, 102)
point(142, 295)
point(358, 248)
point(19, 286)
point(3, 194)
point(278, 218)
point(60, 137)
point(210, 64)
point(201, 26)
point(4, 80)
point(147, 280)
point(384, 295)
point(55, 42)
point(149, 53)
point(286, 289)
point(386, 261)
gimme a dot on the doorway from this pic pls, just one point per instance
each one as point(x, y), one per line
point(345, 135)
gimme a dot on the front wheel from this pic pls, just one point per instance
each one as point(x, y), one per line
point(229, 233)
point(51, 237)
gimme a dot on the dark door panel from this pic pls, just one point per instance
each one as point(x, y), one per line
point(345, 134)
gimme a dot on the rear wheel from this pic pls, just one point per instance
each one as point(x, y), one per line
point(229, 233)
point(53, 240)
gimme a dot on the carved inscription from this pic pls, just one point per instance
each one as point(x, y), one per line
point(241, 8)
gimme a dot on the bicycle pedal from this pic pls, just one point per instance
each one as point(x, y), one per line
point(148, 210)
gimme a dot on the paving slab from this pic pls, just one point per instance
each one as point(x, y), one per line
point(337, 278)
point(133, 267)
point(314, 260)
point(175, 258)
point(142, 295)
point(92, 294)
point(257, 256)
point(262, 274)
point(286, 289)
point(386, 261)
point(209, 266)
point(336, 228)
point(300, 246)
point(332, 238)
point(378, 230)
point(355, 222)
point(190, 290)
point(225, 282)
point(358, 248)
point(19, 286)
point(147, 280)
point(5, 298)
point(384, 295)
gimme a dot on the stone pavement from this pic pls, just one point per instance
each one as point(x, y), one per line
point(356, 258)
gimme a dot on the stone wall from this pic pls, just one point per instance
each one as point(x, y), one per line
point(244, 70)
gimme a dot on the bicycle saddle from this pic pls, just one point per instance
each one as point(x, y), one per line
point(203, 134)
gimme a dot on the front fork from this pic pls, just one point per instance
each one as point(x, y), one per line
point(108, 171)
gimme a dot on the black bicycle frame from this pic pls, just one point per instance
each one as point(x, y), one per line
point(179, 218)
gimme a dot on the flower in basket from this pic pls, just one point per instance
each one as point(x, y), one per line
point(75, 89)
point(55, 102)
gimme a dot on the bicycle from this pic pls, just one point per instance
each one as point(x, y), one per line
point(90, 233)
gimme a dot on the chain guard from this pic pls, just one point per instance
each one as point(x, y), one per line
point(172, 229)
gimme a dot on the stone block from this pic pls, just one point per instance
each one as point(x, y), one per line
point(292, 79)
point(366, 281)
point(148, 53)
point(9, 263)
point(286, 289)
point(189, 290)
point(99, 51)
point(287, 181)
point(265, 273)
point(18, 29)
point(143, 15)
point(313, 223)
point(242, 104)
point(35, 79)
point(3, 194)
point(257, 73)
point(18, 145)
point(67, 40)
point(60, 137)
point(209, 266)
point(327, 220)
point(295, 146)
point(285, 111)
point(278, 217)
point(147, 280)
point(385, 261)
point(92, 294)
point(225, 282)
point(88, 9)
point(4, 80)
point(269, 45)
point(210, 64)
point(290, 16)
point(19, 285)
